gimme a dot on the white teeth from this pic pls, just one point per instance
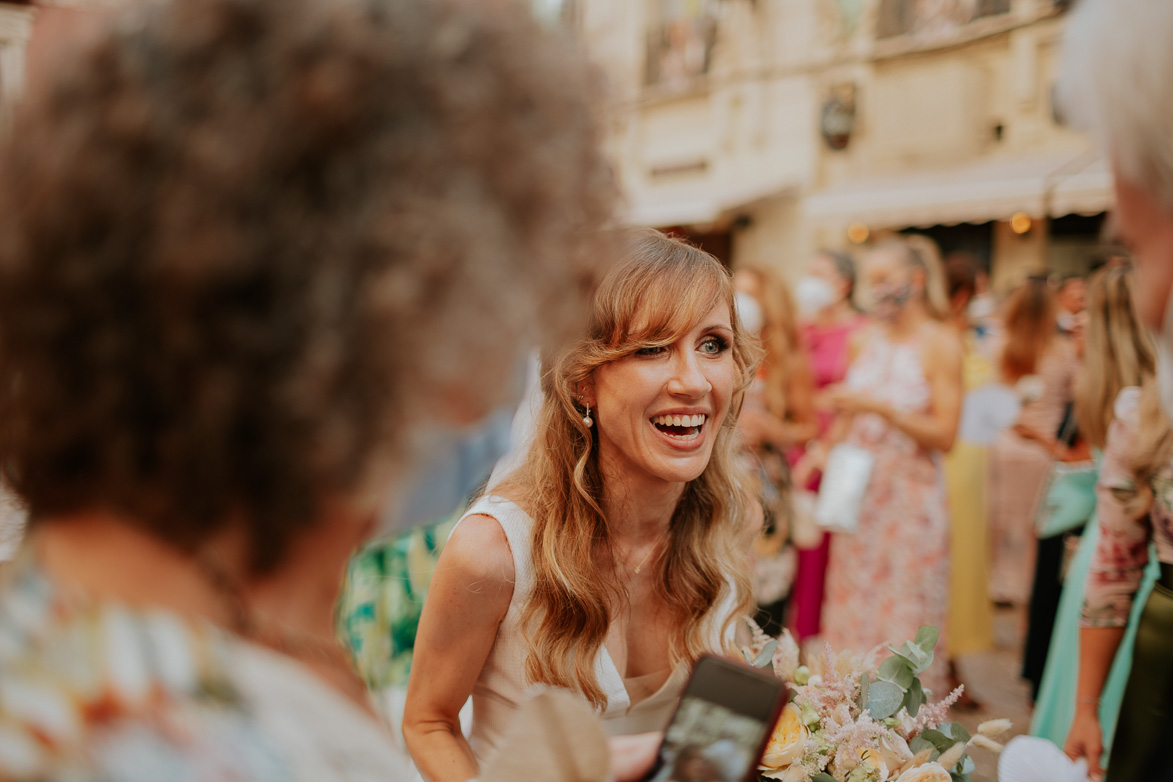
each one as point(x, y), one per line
point(680, 420)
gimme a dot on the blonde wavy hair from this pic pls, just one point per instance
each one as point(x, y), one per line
point(1118, 352)
point(1154, 448)
point(656, 293)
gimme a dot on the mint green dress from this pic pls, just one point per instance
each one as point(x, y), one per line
point(1055, 707)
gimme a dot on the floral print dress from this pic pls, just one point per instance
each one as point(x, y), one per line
point(892, 575)
point(1122, 551)
point(95, 692)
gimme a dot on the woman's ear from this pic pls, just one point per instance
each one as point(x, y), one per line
point(584, 392)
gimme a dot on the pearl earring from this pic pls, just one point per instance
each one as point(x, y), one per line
point(586, 419)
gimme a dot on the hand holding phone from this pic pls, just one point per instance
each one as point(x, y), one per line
point(721, 727)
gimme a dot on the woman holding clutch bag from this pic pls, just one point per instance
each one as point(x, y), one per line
point(901, 402)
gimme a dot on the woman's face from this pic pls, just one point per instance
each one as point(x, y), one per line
point(658, 411)
point(825, 269)
point(890, 283)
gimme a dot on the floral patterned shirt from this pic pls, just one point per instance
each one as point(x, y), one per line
point(95, 692)
point(1123, 548)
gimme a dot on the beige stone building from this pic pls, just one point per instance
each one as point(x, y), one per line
point(768, 128)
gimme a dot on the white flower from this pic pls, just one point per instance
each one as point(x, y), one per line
point(788, 741)
point(895, 751)
point(929, 772)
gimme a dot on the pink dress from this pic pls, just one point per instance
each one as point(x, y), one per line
point(827, 347)
point(1018, 473)
point(892, 575)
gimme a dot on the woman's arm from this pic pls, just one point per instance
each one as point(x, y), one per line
point(1113, 577)
point(937, 429)
point(467, 599)
point(1097, 650)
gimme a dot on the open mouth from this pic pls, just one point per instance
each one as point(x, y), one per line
point(680, 427)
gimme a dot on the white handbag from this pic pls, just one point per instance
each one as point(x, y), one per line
point(844, 484)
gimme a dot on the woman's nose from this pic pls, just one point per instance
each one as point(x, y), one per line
point(688, 379)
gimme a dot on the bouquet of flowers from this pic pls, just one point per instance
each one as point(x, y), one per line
point(865, 720)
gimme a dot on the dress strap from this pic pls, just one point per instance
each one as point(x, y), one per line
point(518, 528)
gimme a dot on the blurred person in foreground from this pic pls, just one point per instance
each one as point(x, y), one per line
point(1116, 75)
point(971, 619)
point(777, 419)
point(829, 319)
point(253, 251)
point(1118, 360)
point(901, 401)
point(617, 553)
point(1040, 363)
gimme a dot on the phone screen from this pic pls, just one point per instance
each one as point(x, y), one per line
point(721, 726)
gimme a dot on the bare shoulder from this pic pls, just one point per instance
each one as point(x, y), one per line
point(861, 338)
point(943, 344)
point(478, 551)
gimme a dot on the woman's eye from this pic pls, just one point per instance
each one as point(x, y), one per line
point(714, 346)
point(654, 350)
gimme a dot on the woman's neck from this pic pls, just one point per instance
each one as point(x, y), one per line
point(108, 558)
point(908, 323)
point(838, 314)
point(638, 512)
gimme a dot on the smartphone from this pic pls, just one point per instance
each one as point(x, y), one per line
point(721, 726)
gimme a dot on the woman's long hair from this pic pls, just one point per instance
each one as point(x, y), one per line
point(1118, 352)
point(784, 355)
point(658, 292)
point(1031, 328)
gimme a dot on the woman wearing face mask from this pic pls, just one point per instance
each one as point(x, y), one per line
point(777, 418)
point(901, 401)
point(1041, 362)
point(619, 551)
point(825, 299)
point(1116, 74)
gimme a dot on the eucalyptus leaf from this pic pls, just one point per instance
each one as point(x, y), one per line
point(919, 744)
point(939, 740)
point(748, 656)
point(927, 636)
point(823, 776)
point(766, 655)
point(884, 699)
point(958, 732)
point(967, 765)
point(915, 698)
point(897, 670)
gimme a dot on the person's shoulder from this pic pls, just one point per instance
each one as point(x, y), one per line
point(479, 549)
point(944, 342)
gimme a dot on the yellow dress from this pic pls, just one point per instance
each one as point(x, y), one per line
point(971, 620)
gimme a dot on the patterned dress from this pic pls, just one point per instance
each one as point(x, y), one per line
point(892, 576)
point(99, 692)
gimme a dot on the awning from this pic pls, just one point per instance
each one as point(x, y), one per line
point(993, 190)
point(705, 205)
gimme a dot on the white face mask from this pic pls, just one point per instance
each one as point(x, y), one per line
point(749, 312)
point(1164, 340)
point(813, 295)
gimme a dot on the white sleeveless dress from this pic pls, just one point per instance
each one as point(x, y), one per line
point(502, 684)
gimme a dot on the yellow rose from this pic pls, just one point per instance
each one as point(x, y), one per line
point(929, 772)
point(873, 763)
point(788, 742)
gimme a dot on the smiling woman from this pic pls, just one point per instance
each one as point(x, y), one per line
point(618, 553)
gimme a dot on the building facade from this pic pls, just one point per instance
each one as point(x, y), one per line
point(767, 129)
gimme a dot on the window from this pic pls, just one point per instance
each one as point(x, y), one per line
point(680, 41)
